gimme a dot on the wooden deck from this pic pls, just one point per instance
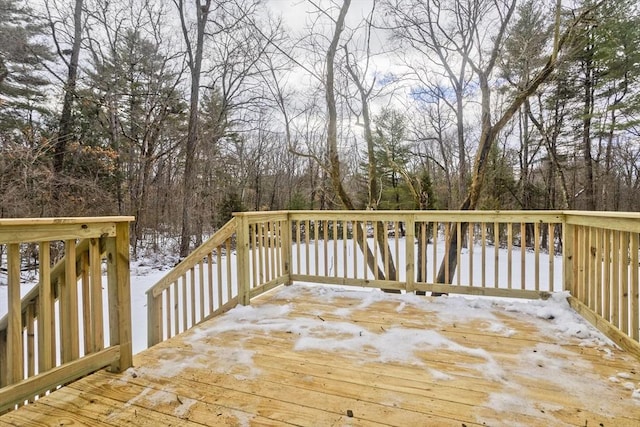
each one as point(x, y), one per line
point(324, 357)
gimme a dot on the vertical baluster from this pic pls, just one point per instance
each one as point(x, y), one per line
point(30, 323)
point(606, 291)
point(15, 361)
point(176, 307)
point(434, 237)
point(459, 253)
point(201, 288)
point(325, 234)
point(278, 248)
point(615, 285)
point(87, 318)
point(219, 271)
point(385, 242)
point(523, 253)
point(185, 302)
point(192, 290)
point(635, 289)
point(261, 245)
point(210, 282)
point(268, 260)
point(69, 311)
point(598, 271)
point(552, 255)
point(167, 296)
point(253, 253)
point(470, 235)
point(496, 255)
point(624, 282)
point(396, 243)
point(95, 289)
point(423, 251)
point(335, 248)
point(510, 255)
point(447, 236)
point(307, 246)
point(483, 239)
point(316, 252)
point(376, 270)
point(536, 251)
point(298, 244)
point(229, 271)
point(354, 235)
point(345, 236)
point(46, 357)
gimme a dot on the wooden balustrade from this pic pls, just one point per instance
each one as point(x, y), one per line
point(243, 259)
point(41, 334)
point(55, 333)
point(523, 254)
point(602, 272)
point(406, 250)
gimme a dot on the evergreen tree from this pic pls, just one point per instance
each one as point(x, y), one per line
point(23, 83)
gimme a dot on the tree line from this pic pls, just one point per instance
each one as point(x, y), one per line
point(182, 111)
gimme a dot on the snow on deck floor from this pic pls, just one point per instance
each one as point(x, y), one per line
point(318, 355)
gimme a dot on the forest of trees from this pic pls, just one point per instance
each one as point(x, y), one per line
point(182, 111)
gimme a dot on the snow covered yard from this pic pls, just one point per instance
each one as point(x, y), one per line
point(320, 355)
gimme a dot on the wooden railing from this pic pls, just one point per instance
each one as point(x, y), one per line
point(405, 251)
point(245, 258)
point(55, 333)
point(522, 254)
point(601, 272)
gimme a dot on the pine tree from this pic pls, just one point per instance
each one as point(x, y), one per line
point(22, 53)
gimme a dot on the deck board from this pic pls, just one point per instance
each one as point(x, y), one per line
point(256, 374)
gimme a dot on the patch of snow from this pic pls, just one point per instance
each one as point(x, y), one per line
point(439, 375)
point(183, 409)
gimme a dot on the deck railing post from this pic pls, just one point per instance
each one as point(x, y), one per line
point(568, 249)
point(242, 234)
point(120, 296)
point(286, 244)
point(410, 228)
point(154, 319)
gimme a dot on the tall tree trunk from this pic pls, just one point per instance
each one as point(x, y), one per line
point(587, 114)
point(195, 66)
point(65, 125)
point(332, 139)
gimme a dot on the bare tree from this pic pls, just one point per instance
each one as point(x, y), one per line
point(486, 23)
point(71, 58)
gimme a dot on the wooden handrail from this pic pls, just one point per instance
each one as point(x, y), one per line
point(101, 238)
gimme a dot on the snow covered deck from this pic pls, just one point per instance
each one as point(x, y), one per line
point(321, 356)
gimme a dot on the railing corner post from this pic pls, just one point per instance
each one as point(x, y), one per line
point(119, 284)
point(244, 289)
